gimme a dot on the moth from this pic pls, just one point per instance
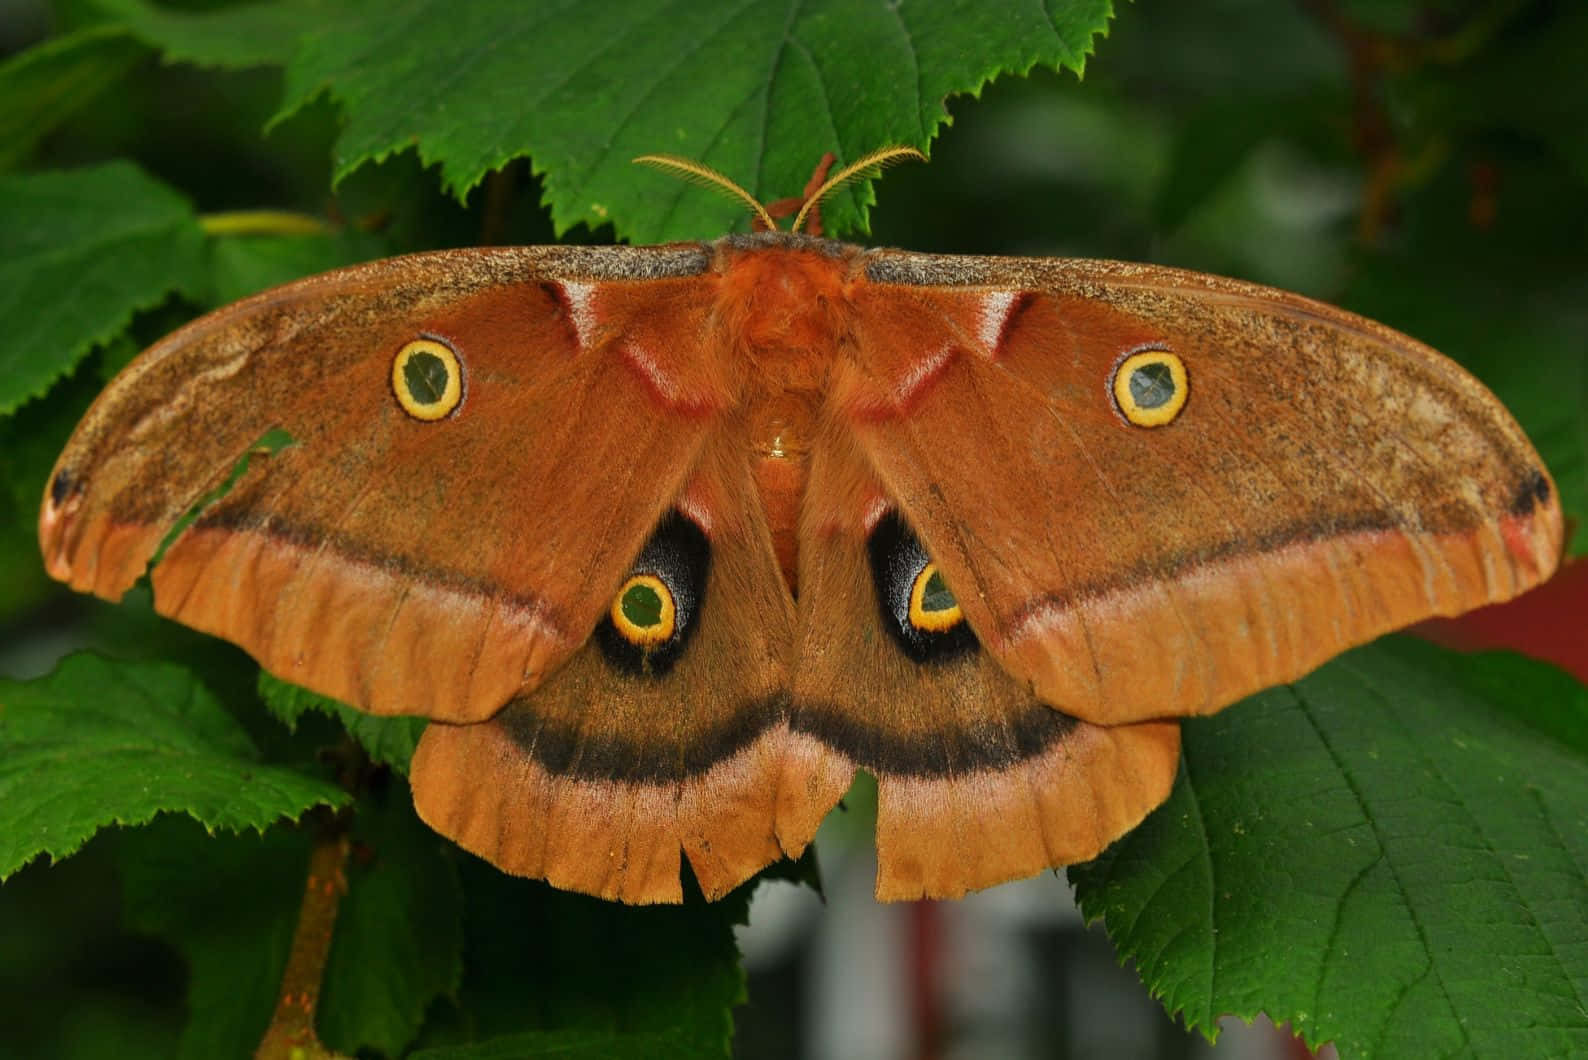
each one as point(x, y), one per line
point(669, 541)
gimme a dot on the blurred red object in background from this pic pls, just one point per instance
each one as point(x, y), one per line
point(1549, 623)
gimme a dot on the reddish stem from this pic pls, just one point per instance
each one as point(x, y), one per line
point(291, 1032)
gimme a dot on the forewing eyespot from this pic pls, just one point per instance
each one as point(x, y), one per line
point(427, 378)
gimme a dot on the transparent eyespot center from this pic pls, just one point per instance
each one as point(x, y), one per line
point(933, 608)
point(427, 379)
point(644, 611)
point(1150, 387)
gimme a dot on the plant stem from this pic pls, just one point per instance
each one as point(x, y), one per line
point(262, 223)
point(291, 1034)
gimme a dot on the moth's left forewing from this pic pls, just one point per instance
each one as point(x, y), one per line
point(1324, 479)
point(406, 559)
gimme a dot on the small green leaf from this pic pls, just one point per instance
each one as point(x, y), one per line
point(389, 741)
point(243, 265)
point(45, 85)
point(1391, 854)
point(403, 916)
point(80, 253)
point(100, 742)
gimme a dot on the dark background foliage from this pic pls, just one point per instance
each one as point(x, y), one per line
point(1391, 854)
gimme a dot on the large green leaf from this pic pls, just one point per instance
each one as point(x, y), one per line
point(583, 88)
point(100, 742)
point(80, 253)
point(236, 37)
point(45, 85)
point(1392, 854)
point(230, 904)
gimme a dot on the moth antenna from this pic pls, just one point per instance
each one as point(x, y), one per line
point(707, 177)
point(865, 166)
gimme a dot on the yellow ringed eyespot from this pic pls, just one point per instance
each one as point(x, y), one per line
point(1150, 387)
point(427, 379)
point(933, 608)
point(643, 612)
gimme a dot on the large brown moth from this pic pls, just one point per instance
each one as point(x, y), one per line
point(669, 541)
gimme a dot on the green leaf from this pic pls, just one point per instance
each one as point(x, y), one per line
point(59, 921)
point(403, 917)
point(80, 253)
point(99, 742)
point(1392, 854)
point(229, 904)
point(584, 89)
point(249, 34)
point(389, 741)
point(47, 84)
point(544, 960)
point(243, 265)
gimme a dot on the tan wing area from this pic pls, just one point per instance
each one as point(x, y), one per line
point(1327, 480)
point(401, 565)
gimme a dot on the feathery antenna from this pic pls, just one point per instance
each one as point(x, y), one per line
point(704, 175)
point(707, 177)
point(876, 161)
